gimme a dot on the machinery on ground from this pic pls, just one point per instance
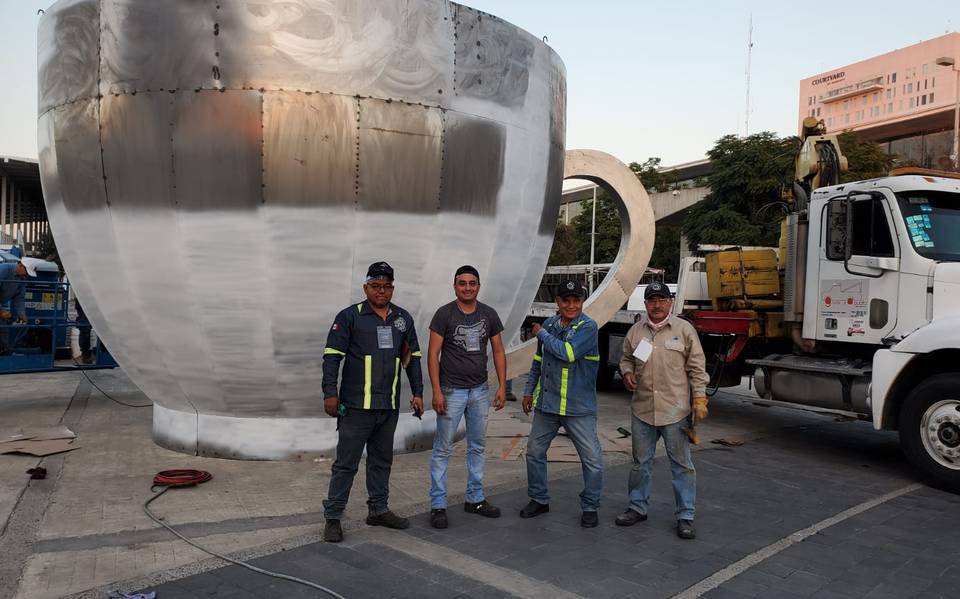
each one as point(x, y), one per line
point(857, 310)
point(42, 344)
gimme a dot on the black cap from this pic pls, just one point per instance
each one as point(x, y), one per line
point(466, 269)
point(656, 289)
point(571, 287)
point(380, 270)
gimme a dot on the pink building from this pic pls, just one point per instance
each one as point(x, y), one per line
point(902, 99)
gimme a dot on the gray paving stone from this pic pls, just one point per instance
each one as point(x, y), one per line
point(804, 584)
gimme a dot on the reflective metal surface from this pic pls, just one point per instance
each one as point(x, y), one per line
point(219, 175)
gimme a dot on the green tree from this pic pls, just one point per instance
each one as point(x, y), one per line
point(651, 177)
point(607, 229)
point(744, 205)
point(866, 159)
point(666, 252)
point(564, 250)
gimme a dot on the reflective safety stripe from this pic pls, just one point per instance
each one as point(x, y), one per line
point(333, 352)
point(570, 356)
point(564, 375)
point(577, 326)
point(360, 307)
point(416, 354)
point(538, 357)
point(367, 380)
point(396, 377)
point(592, 358)
point(536, 395)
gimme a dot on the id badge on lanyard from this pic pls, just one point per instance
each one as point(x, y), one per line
point(473, 342)
point(385, 337)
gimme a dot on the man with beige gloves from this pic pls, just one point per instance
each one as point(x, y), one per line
point(663, 365)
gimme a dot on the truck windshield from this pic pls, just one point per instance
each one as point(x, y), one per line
point(933, 223)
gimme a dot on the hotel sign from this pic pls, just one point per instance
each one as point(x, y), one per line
point(832, 78)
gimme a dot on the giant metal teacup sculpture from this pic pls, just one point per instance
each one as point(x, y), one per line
point(219, 174)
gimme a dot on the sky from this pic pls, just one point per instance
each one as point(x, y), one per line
point(645, 78)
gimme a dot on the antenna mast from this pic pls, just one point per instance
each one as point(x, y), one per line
point(746, 120)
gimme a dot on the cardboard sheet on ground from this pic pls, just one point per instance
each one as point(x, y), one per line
point(40, 448)
point(40, 441)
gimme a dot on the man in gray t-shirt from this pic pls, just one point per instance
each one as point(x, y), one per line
point(457, 361)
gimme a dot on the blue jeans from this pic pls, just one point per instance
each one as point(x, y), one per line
point(681, 466)
point(582, 430)
point(474, 404)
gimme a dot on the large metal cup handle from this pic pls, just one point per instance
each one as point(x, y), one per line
point(636, 242)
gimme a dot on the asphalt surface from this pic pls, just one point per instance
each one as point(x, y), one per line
point(827, 509)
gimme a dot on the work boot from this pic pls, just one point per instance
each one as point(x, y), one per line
point(534, 509)
point(388, 519)
point(333, 532)
point(481, 508)
point(685, 529)
point(86, 357)
point(630, 517)
point(438, 518)
point(589, 519)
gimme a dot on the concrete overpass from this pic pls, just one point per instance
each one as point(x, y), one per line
point(22, 211)
point(668, 206)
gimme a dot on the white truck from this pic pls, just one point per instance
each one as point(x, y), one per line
point(866, 316)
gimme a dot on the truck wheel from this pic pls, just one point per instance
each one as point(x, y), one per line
point(930, 430)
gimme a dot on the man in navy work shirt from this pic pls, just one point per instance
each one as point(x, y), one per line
point(13, 289)
point(373, 339)
point(562, 388)
point(457, 359)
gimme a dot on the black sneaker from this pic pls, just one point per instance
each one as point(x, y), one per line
point(685, 529)
point(589, 519)
point(388, 519)
point(534, 509)
point(630, 517)
point(438, 518)
point(332, 532)
point(481, 508)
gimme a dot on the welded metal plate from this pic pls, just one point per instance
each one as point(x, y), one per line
point(157, 46)
point(400, 49)
point(217, 147)
point(473, 164)
point(401, 149)
point(67, 52)
point(493, 61)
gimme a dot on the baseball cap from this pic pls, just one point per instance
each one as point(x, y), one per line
point(380, 270)
point(656, 289)
point(31, 265)
point(571, 287)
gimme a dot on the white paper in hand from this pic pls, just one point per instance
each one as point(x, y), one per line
point(643, 351)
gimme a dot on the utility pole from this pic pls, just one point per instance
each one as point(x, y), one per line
point(593, 239)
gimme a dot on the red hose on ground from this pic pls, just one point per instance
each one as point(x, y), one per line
point(181, 478)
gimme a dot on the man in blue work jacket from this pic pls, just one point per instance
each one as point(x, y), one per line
point(373, 339)
point(562, 388)
point(13, 289)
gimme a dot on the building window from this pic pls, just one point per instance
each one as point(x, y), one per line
point(933, 82)
point(846, 118)
point(910, 88)
point(864, 100)
point(924, 100)
point(931, 97)
point(893, 78)
point(924, 69)
point(911, 102)
point(924, 84)
point(818, 112)
point(890, 107)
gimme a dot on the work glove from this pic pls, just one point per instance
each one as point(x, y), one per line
point(700, 409)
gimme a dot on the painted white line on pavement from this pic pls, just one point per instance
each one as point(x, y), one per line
point(718, 578)
point(505, 579)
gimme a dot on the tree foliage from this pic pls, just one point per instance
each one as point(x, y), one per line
point(607, 228)
point(666, 252)
point(651, 178)
point(744, 205)
point(866, 159)
point(564, 250)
